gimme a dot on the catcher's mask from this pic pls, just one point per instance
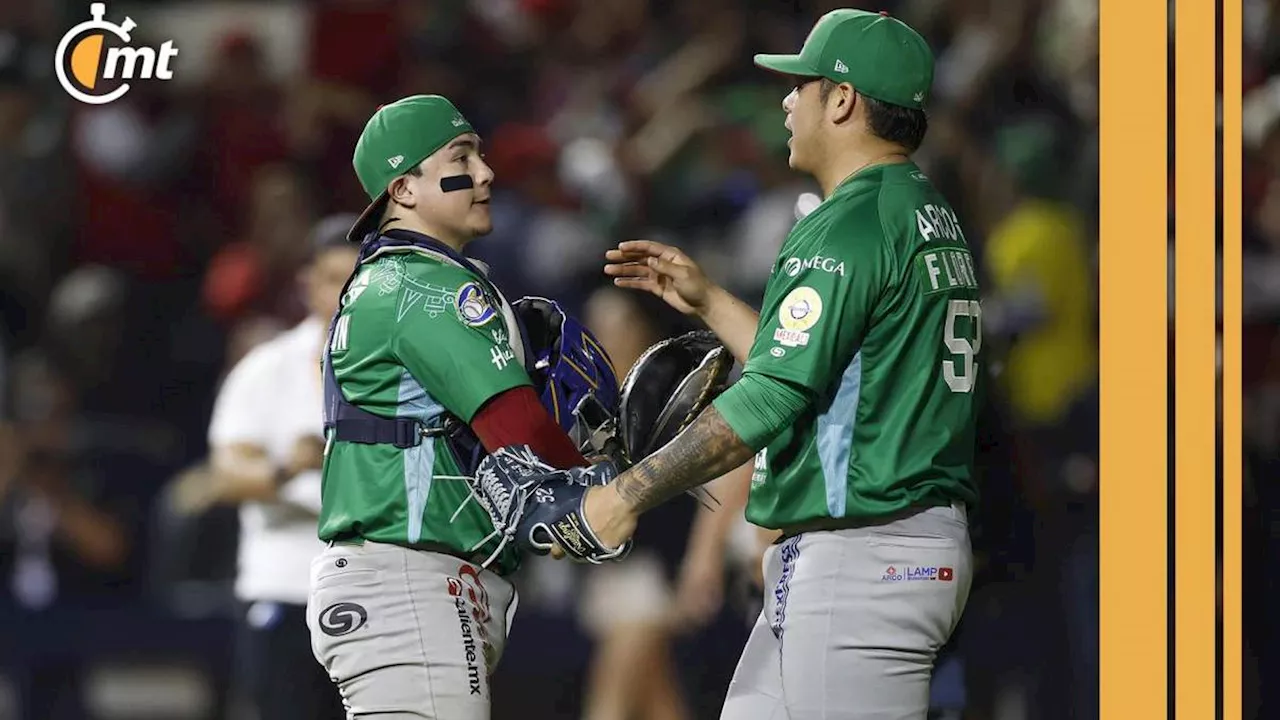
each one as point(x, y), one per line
point(572, 373)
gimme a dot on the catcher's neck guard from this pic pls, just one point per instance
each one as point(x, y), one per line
point(571, 372)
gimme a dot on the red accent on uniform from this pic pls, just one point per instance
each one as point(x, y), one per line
point(516, 417)
point(884, 13)
point(946, 574)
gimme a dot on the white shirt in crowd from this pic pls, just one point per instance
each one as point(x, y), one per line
point(272, 398)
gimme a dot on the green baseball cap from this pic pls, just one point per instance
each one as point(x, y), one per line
point(397, 138)
point(881, 56)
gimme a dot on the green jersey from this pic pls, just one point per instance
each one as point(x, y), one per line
point(416, 336)
point(872, 308)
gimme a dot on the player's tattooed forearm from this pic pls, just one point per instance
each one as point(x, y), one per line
point(708, 449)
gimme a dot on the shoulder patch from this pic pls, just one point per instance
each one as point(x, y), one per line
point(798, 313)
point(800, 309)
point(474, 309)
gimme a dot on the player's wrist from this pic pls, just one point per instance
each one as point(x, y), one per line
point(612, 505)
point(713, 302)
point(610, 515)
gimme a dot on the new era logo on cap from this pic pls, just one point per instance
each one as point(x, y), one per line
point(918, 97)
point(395, 161)
point(841, 67)
point(459, 121)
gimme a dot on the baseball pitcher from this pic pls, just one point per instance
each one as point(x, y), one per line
point(858, 398)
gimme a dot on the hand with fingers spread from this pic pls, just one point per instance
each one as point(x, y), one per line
point(662, 270)
point(668, 273)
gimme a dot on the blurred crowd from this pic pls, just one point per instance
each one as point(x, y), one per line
point(1261, 351)
point(146, 245)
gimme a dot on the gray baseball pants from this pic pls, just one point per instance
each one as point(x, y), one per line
point(853, 620)
point(408, 634)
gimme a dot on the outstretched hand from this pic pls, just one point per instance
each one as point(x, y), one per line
point(662, 270)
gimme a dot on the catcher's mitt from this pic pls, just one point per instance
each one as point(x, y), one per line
point(537, 506)
point(667, 387)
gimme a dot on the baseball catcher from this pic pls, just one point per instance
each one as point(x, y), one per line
point(427, 369)
point(452, 420)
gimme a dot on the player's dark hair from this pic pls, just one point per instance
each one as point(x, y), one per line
point(901, 125)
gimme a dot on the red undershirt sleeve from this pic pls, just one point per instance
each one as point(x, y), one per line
point(516, 417)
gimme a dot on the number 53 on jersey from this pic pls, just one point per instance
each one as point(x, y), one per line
point(962, 336)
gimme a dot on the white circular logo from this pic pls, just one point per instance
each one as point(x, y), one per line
point(800, 309)
point(777, 352)
point(791, 267)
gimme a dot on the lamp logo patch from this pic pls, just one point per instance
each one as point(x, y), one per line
point(913, 573)
point(800, 311)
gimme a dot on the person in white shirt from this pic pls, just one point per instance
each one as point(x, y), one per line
point(266, 450)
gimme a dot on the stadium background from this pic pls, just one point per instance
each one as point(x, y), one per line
point(145, 245)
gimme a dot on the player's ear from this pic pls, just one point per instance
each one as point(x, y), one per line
point(841, 103)
point(401, 192)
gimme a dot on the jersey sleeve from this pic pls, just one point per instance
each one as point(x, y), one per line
point(238, 412)
point(455, 341)
point(816, 309)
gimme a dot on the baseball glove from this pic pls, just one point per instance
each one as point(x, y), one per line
point(667, 387)
point(537, 506)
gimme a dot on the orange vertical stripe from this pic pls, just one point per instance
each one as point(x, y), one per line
point(1133, 333)
point(1195, 345)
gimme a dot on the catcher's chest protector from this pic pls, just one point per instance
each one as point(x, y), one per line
point(350, 423)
